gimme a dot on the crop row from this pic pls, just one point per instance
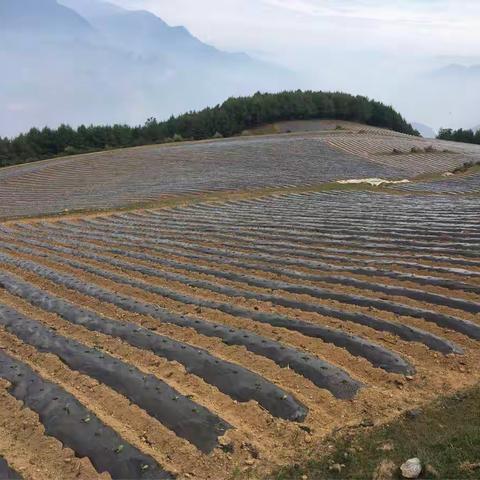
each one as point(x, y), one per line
point(413, 156)
point(149, 174)
point(187, 340)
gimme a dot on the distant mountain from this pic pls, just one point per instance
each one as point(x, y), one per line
point(88, 61)
point(425, 130)
point(457, 70)
point(41, 17)
point(445, 96)
point(142, 32)
point(91, 9)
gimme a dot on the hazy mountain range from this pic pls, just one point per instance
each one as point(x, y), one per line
point(87, 61)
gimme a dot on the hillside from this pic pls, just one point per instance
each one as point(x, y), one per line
point(232, 117)
point(158, 173)
point(220, 308)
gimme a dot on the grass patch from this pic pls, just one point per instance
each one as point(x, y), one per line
point(445, 436)
point(467, 166)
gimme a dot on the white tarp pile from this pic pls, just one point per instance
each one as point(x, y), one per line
point(375, 182)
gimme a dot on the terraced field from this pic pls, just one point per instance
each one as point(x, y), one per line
point(215, 338)
point(148, 175)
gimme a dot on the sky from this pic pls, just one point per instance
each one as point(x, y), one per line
point(385, 49)
point(278, 28)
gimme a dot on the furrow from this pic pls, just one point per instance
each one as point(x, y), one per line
point(420, 295)
point(229, 258)
point(271, 397)
point(66, 419)
point(292, 251)
point(229, 378)
point(298, 242)
point(162, 245)
point(448, 321)
point(280, 222)
point(405, 332)
point(178, 413)
point(303, 364)
point(7, 473)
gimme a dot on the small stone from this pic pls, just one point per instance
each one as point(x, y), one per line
point(304, 477)
point(250, 461)
point(336, 467)
point(412, 468)
point(385, 470)
point(386, 447)
point(409, 378)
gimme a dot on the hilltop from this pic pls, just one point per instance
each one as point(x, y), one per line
point(230, 118)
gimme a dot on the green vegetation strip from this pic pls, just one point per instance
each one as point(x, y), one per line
point(230, 118)
point(445, 436)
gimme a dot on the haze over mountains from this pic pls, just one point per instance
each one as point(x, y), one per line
point(87, 61)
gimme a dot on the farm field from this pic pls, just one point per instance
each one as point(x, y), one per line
point(150, 329)
point(227, 338)
point(468, 182)
point(154, 174)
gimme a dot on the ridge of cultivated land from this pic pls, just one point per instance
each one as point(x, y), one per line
point(230, 332)
point(159, 174)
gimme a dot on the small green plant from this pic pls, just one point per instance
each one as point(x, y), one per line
point(119, 449)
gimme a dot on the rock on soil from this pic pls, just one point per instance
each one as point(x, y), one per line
point(412, 468)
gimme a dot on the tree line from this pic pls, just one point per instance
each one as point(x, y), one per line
point(230, 118)
point(460, 135)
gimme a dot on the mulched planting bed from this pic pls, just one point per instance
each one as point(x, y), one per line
point(199, 341)
point(114, 179)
